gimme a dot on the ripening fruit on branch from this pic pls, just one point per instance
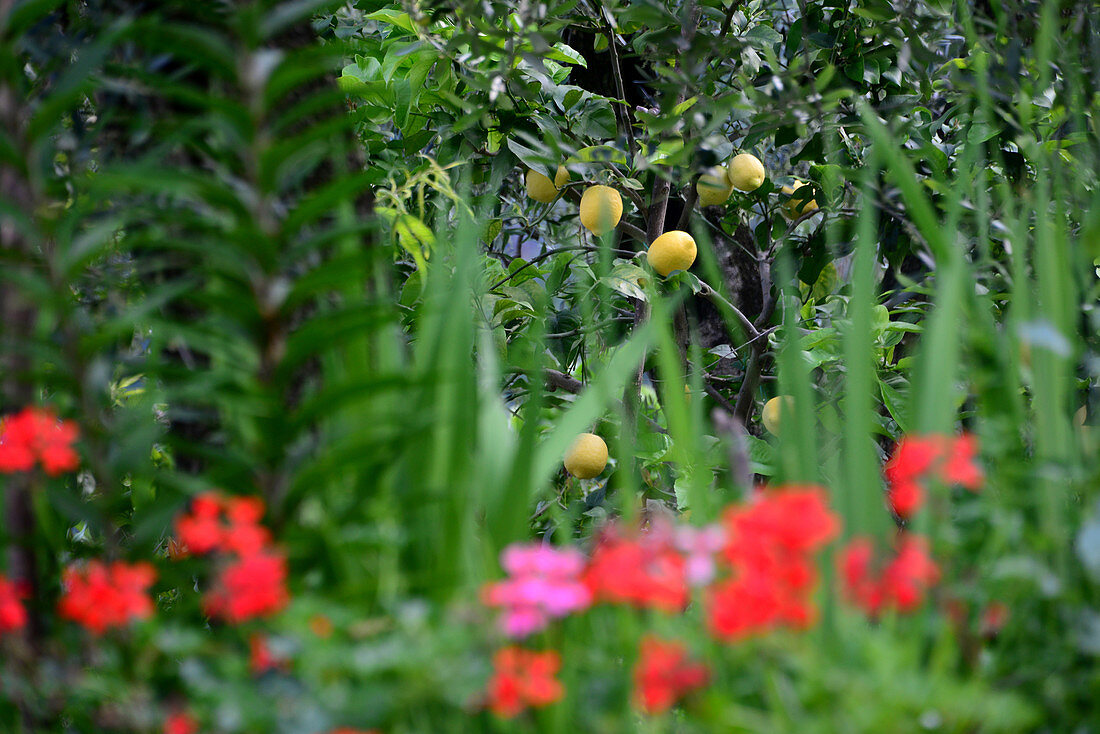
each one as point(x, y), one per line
point(587, 457)
point(745, 172)
point(674, 250)
point(713, 187)
point(601, 209)
point(541, 188)
point(797, 208)
point(772, 411)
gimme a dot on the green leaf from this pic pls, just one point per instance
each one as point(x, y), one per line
point(628, 279)
point(763, 36)
point(563, 53)
point(393, 17)
point(761, 456)
point(539, 159)
point(600, 154)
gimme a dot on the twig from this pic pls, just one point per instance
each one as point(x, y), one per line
point(690, 198)
point(624, 109)
point(634, 232)
point(743, 406)
point(738, 450)
point(718, 397)
point(560, 380)
point(549, 253)
point(729, 19)
point(655, 224)
point(751, 332)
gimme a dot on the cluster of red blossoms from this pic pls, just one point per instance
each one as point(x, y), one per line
point(252, 582)
point(521, 679)
point(900, 584)
point(35, 434)
point(916, 458)
point(765, 570)
point(642, 569)
point(101, 596)
point(663, 675)
point(764, 578)
point(770, 553)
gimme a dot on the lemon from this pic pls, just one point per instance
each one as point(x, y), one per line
point(601, 209)
point(772, 410)
point(674, 250)
point(587, 457)
point(713, 187)
point(745, 172)
point(796, 209)
point(541, 188)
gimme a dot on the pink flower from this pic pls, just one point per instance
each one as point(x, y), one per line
point(699, 546)
point(544, 584)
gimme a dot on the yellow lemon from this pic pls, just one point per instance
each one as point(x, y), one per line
point(601, 209)
point(587, 457)
point(796, 209)
point(772, 410)
point(674, 250)
point(541, 188)
point(745, 172)
point(713, 187)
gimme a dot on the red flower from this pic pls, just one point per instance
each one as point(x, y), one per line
point(35, 433)
point(523, 678)
point(646, 571)
point(914, 456)
point(793, 517)
point(994, 618)
point(100, 596)
point(13, 615)
point(911, 572)
point(201, 531)
point(226, 524)
point(903, 580)
point(262, 658)
point(952, 460)
point(860, 584)
point(960, 467)
point(252, 586)
point(770, 553)
point(245, 539)
point(762, 596)
point(905, 498)
point(663, 675)
point(16, 453)
point(180, 723)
